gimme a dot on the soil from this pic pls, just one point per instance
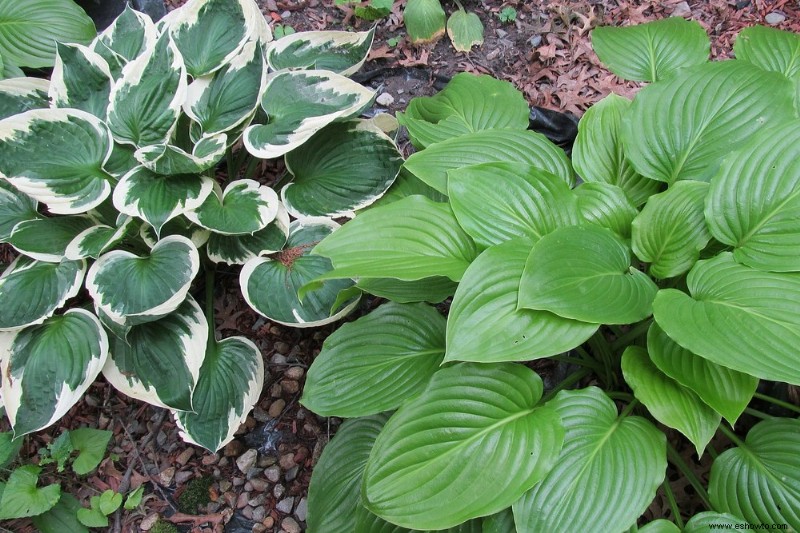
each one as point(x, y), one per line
point(546, 52)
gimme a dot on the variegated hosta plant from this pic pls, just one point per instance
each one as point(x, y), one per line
point(667, 277)
point(132, 171)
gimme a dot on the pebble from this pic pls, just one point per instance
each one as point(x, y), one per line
point(238, 481)
point(258, 484)
point(166, 476)
point(248, 486)
point(287, 461)
point(268, 522)
point(682, 10)
point(276, 408)
point(230, 498)
point(225, 485)
point(285, 505)
point(260, 415)
point(208, 460)
point(296, 372)
point(275, 390)
point(259, 513)
point(259, 528)
point(385, 99)
point(500, 33)
point(302, 510)
point(266, 460)
point(253, 472)
point(290, 525)
point(279, 491)
point(183, 476)
point(273, 474)
point(148, 522)
point(290, 386)
point(259, 500)
point(535, 41)
point(223, 462)
point(241, 501)
point(286, 14)
point(232, 449)
point(776, 17)
point(282, 348)
point(247, 460)
point(291, 474)
point(247, 512)
point(184, 457)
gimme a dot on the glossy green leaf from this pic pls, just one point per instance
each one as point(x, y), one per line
point(433, 290)
point(652, 51)
point(737, 317)
point(465, 30)
point(366, 522)
point(342, 52)
point(702, 522)
point(582, 492)
point(377, 362)
point(22, 498)
point(18, 95)
point(91, 445)
point(484, 324)
point(660, 526)
point(424, 20)
point(80, 80)
point(585, 273)
point(479, 456)
point(61, 517)
point(769, 48)
point(245, 207)
point(607, 206)
point(9, 448)
point(502, 522)
point(405, 185)
point(47, 239)
point(239, 249)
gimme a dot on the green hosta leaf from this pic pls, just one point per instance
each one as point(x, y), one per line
point(47, 239)
point(607, 206)
point(737, 317)
point(496, 202)
point(424, 20)
point(18, 95)
point(598, 153)
point(245, 207)
point(62, 517)
point(502, 522)
point(582, 492)
point(728, 392)
point(91, 445)
point(22, 498)
point(94, 241)
point(31, 291)
point(342, 52)
point(299, 104)
point(585, 273)
point(411, 239)
point(47, 368)
point(15, 207)
point(484, 324)
point(270, 285)
point(147, 99)
point(176, 226)
point(468, 104)
point(334, 490)
point(156, 198)
point(433, 289)
point(760, 480)
point(81, 80)
point(660, 526)
point(121, 161)
point(209, 33)
point(70, 179)
point(753, 201)
point(670, 232)
point(405, 185)
point(159, 362)
point(435, 447)
point(669, 402)
point(225, 100)
point(9, 449)
point(684, 127)
point(239, 249)
point(127, 37)
point(92, 517)
point(129, 288)
point(651, 51)
point(433, 164)
point(367, 522)
point(465, 30)
point(228, 387)
point(169, 159)
point(700, 523)
point(770, 49)
point(31, 29)
point(375, 363)
point(342, 168)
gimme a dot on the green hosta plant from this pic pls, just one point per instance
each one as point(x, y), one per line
point(132, 173)
point(659, 265)
point(426, 21)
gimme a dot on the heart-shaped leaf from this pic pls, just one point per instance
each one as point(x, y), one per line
point(702, 522)
point(94, 241)
point(465, 30)
point(245, 207)
point(130, 34)
point(424, 20)
point(176, 226)
point(91, 445)
point(239, 249)
point(169, 159)
point(433, 290)
point(62, 517)
point(607, 206)
point(81, 79)
point(47, 238)
point(15, 207)
point(342, 52)
point(18, 95)
point(22, 498)
point(769, 48)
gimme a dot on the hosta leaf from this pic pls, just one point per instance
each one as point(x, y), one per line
point(9, 449)
point(31, 291)
point(433, 289)
point(467, 104)
point(683, 128)
point(176, 226)
point(209, 33)
point(342, 168)
point(159, 362)
point(47, 239)
point(156, 198)
point(582, 492)
point(367, 522)
point(334, 490)
point(479, 456)
point(81, 80)
point(411, 239)
point(15, 207)
point(62, 517)
point(728, 392)
point(424, 20)
point(228, 387)
point(484, 324)
point(169, 159)
point(651, 51)
point(496, 202)
point(502, 522)
point(94, 241)
point(433, 164)
point(661, 525)
point(405, 185)
point(670, 232)
point(47, 368)
point(607, 206)
point(239, 249)
point(760, 480)
point(22, 498)
point(70, 179)
point(375, 363)
point(31, 29)
point(702, 522)
point(91, 446)
point(127, 37)
point(18, 95)
point(245, 207)
point(668, 401)
point(270, 285)
point(129, 288)
point(585, 273)
point(769, 48)
point(121, 161)
point(146, 100)
point(342, 52)
point(753, 201)
point(465, 30)
point(299, 104)
point(598, 153)
point(737, 317)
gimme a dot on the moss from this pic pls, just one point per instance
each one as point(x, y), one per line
point(164, 527)
point(195, 495)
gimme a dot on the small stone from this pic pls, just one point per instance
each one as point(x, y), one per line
point(161, 438)
point(258, 484)
point(286, 14)
point(238, 481)
point(290, 387)
point(500, 33)
point(247, 512)
point(290, 525)
point(268, 522)
point(493, 54)
point(229, 498)
point(248, 486)
point(259, 500)
point(265, 461)
point(148, 522)
point(276, 408)
point(166, 476)
point(535, 41)
point(233, 448)
point(273, 474)
point(296, 372)
point(275, 391)
point(682, 10)
point(91, 401)
point(260, 415)
point(282, 348)
point(279, 491)
point(223, 462)
point(241, 501)
point(302, 510)
point(287, 461)
point(285, 505)
point(776, 17)
point(184, 457)
point(208, 460)
point(291, 474)
point(247, 460)
point(225, 485)
point(253, 472)
point(183, 476)
point(259, 528)
point(259, 513)
point(213, 507)
point(385, 99)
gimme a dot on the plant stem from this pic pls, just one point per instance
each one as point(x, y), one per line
point(676, 512)
point(779, 403)
point(210, 272)
point(588, 363)
point(569, 380)
point(634, 333)
point(676, 460)
point(602, 350)
point(732, 436)
point(628, 408)
point(462, 7)
point(622, 396)
point(250, 170)
point(758, 414)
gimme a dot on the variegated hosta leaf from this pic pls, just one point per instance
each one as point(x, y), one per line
point(31, 291)
point(56, 156)
point(299, 104)
point(222, 101)
point(169, 159)
point(131, 289)
point(156, 198)
point(239, 249)
point(94, 241)
point(176, 226)
point(209, 33)
point(146, 100)
point(245, 207)
point(47, 239)
point(15, 207)
point(342, 168)
point(47, 368)
point(121, 161)
point(229, 385)
point(81, 80)
point(18, 95)
point(270, 285)
point(343, 52)
point(159, 362)
point(126, 38)
point(607, 206)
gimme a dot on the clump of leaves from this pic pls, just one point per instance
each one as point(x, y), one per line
point(426, 22)
point(195, 495)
